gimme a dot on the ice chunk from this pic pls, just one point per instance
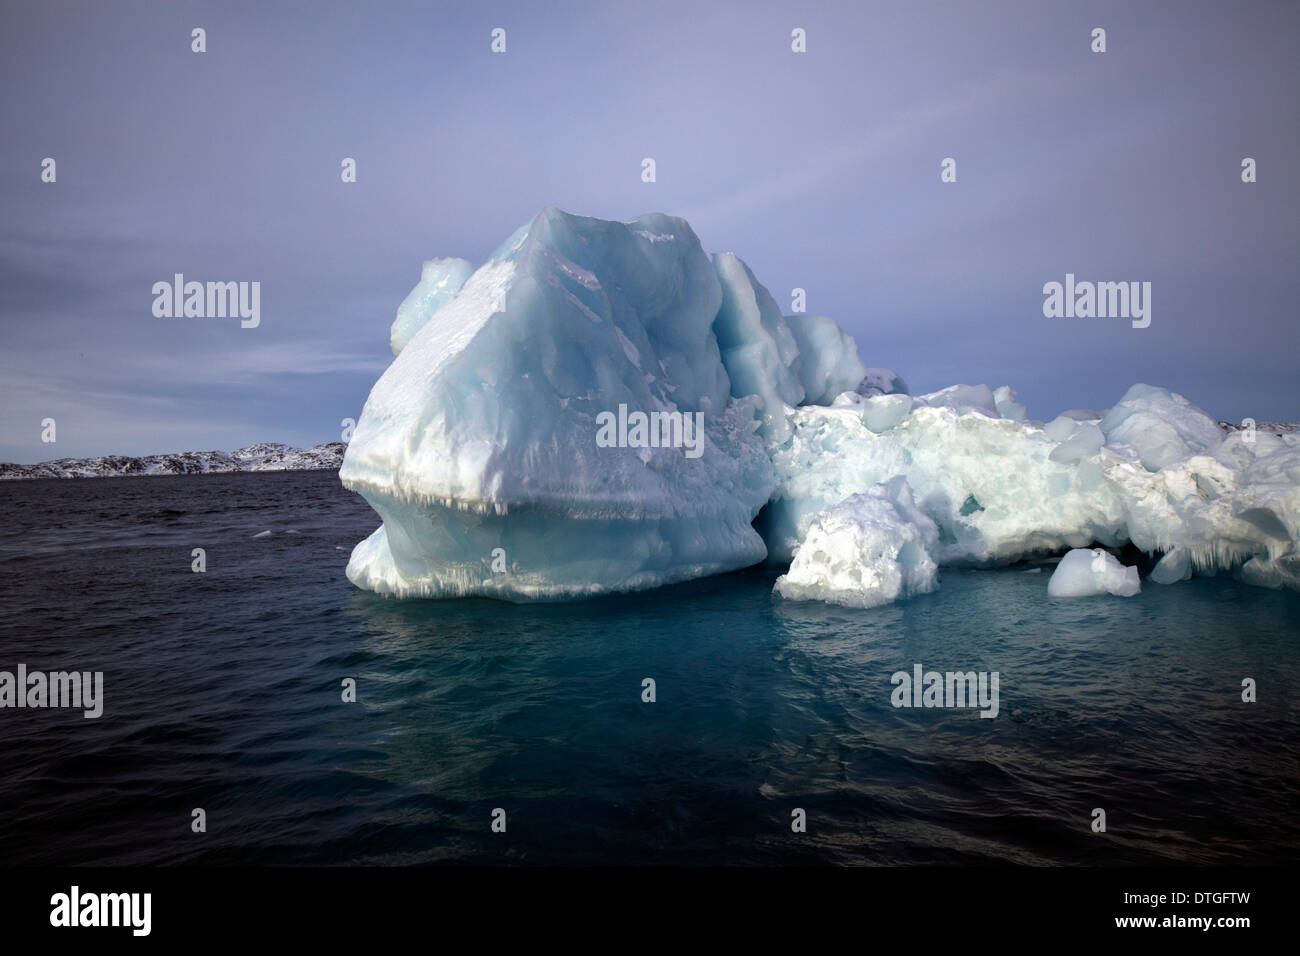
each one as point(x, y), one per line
point(1283, 572)
point(440, 279)
point(1086, 572)
point(1175, 566)
point(828, 358)
point(1162, 426)
point(1004, 399)
point(870, 549)
point(883, 412)
point(1060, 428)
point(1085, 441)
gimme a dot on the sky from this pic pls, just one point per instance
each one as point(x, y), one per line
point(821, 169)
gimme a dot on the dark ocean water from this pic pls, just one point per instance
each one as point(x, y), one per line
point(222, 691)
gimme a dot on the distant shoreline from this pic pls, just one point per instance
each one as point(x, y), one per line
point(262, 457)
point(165, 474)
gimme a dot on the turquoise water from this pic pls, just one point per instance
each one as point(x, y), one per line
point(222, 691)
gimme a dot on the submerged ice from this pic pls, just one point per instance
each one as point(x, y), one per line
point(530, 441)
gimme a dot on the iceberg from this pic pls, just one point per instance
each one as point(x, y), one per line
point(485, 447)
point(478, 445)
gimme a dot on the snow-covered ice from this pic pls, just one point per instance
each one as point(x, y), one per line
point(988, 483)
point(1004, 490)
point(870, 549)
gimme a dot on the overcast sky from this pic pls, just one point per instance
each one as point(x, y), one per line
point(820, 169)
